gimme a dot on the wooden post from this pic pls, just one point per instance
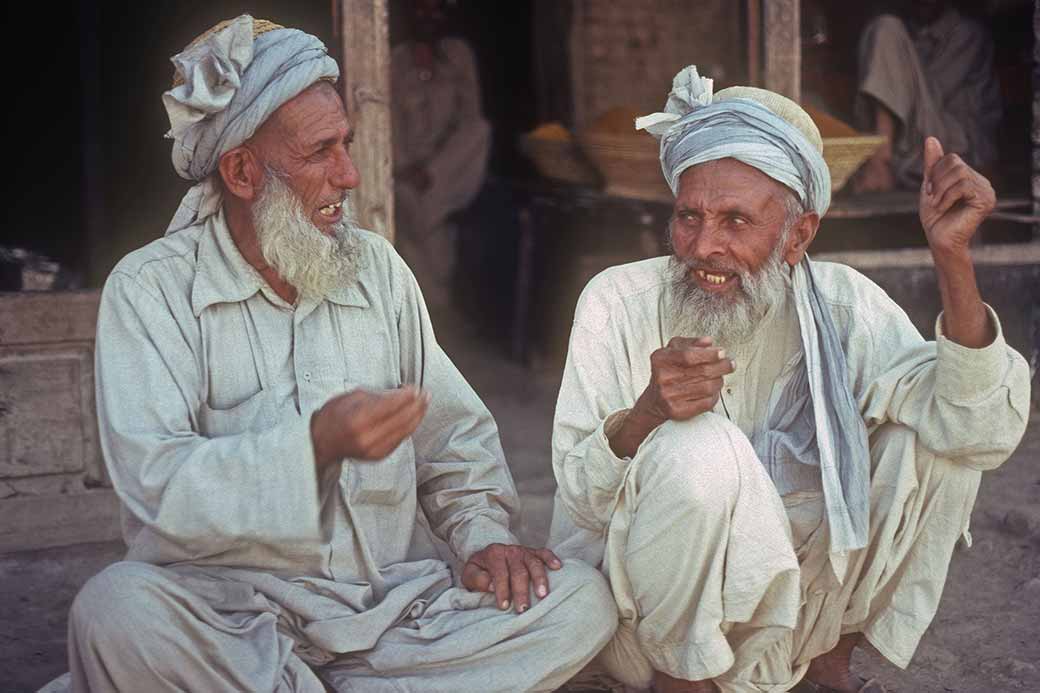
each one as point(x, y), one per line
point(754, 42)
point(365, 40)
point(783, 48)
point(1035, 134)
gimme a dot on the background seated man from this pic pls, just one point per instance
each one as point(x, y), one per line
point(312, 494)
point(926, 72)
point(761, 453)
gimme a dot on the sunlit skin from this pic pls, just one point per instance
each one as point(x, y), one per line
point(728, 219)
point(308, 140)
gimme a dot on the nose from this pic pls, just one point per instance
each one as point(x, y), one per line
point(344, 173)
point(702, 244)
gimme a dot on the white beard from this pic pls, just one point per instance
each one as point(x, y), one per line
point(729, 320)
point(311, 261)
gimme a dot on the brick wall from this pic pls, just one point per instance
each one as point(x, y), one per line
point(626, 53)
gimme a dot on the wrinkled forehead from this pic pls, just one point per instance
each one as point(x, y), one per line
point(311, 116)
point(730, 180)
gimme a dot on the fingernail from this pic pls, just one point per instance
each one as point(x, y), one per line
point(503, 605)
point(928, 188)
point(722, 354)
point(541, 591)
point(523, 608)
point(733, 364)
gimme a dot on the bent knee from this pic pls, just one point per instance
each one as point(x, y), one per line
point(887, 26)
point(701, 460)
point(110, 603)
point(591, 612)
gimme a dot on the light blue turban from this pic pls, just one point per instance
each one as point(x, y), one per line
point(815, 421)
point(758, 127)
point(232, 84)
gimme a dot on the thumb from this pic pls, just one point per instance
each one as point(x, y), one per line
point(933, 151)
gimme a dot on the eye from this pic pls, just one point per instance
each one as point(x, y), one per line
point(738, 220)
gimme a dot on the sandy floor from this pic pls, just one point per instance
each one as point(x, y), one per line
point(986, 636)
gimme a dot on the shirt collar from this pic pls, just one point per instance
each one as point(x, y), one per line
point(223, 276)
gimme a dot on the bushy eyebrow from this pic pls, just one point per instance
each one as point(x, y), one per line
point(728, 209)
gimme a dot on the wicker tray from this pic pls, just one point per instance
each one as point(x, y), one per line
point(559, 160)
point(846, 154)
point(629, 164)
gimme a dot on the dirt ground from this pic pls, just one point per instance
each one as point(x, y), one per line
point(985, 638)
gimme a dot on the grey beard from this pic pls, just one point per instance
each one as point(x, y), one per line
point(729, 320)
point(311, 261)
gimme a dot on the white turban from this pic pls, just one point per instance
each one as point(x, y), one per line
point(758, 127)
point(232, 83)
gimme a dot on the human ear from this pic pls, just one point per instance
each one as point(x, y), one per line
point(241, 173)
point(802, 234)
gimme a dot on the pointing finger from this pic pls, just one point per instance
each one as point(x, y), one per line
point(933, 151)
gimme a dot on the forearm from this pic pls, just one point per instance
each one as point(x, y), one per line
point(634, 429)
point(964, 315)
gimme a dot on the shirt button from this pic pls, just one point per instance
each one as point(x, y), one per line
point(729, 390)
point(307, 376)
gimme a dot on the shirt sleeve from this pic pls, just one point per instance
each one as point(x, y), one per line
point(967, 405)
point(463, 483)
point(203, 495)
point(594, 398)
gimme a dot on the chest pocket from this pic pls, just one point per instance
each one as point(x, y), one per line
point(239, 398)
point(252, 415)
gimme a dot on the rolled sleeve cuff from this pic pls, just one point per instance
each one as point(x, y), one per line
point(964, 374)
point(478, 533)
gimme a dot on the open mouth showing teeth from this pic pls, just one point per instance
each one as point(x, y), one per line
point(713, 278)
point(331, 210)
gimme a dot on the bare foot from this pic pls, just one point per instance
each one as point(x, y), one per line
point(663, 683)
point(874, 176)
point(831, 669)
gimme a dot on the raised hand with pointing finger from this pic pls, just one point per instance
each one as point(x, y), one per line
point(955, 199)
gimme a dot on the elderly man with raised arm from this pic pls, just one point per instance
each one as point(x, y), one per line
point(760, 452)
point(312, 494)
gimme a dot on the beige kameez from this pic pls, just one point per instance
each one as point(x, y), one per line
point(720, 568)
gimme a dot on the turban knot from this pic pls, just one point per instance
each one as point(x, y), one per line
point(757, 127)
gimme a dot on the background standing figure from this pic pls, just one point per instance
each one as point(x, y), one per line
point(441, 145)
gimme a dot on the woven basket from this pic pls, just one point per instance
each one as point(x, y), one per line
point(559, 160)
point(846, 154)
point(629, 164)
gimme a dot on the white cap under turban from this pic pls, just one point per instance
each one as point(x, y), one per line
point(758, 127)
point(228, 83)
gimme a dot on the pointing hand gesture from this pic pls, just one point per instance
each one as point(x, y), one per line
point(955, 199)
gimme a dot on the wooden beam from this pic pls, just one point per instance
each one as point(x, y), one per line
point(783, 47)
point(1035, 129)
point(754, 42)
point(365, 41)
